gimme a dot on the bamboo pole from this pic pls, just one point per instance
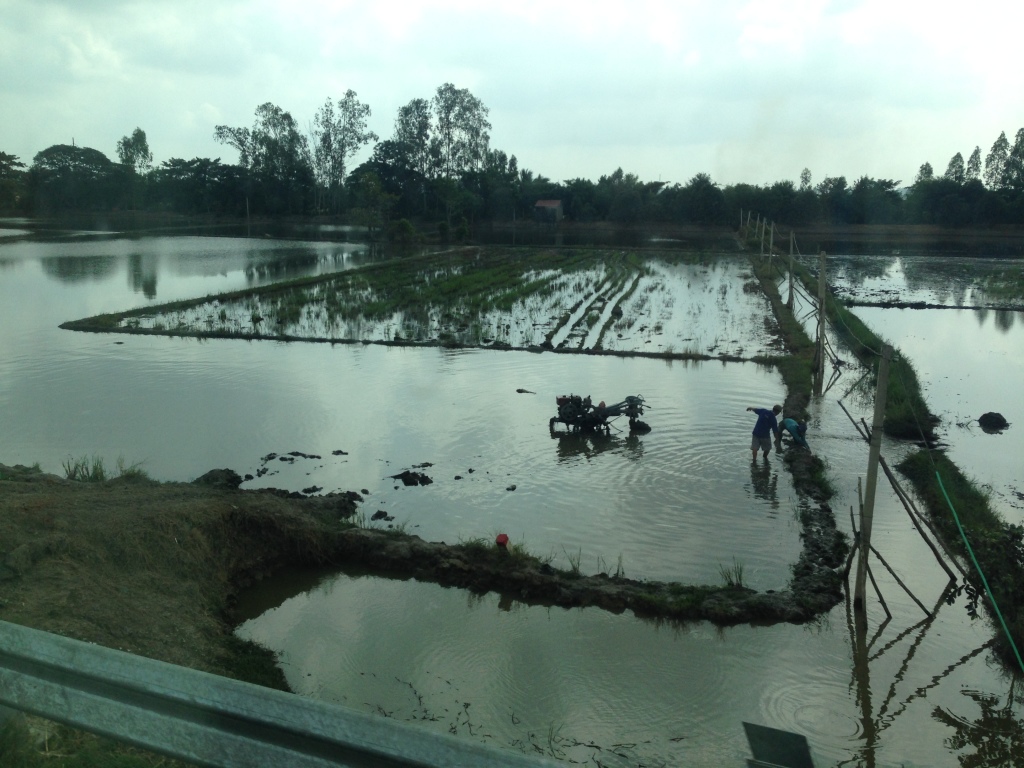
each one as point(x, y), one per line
point(855, 424)
point(878, 592)
point(918, 518)
point(899, 581)
point(908, 504)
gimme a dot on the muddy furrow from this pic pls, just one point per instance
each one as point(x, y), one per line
point(564, 330)
point(611, 314)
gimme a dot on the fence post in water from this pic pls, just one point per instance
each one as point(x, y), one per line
point(789, 303)
point(771, 243)
point(868, 510)
point(819, 349)
point(747, 228)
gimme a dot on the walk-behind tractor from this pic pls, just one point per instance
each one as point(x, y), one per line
point(579, 414)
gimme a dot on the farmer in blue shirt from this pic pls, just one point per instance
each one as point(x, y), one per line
point(767, 423)
point(797, 430)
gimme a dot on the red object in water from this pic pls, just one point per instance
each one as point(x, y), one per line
point(502, 540)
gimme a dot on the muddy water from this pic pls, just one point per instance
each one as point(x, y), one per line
point(677, 503)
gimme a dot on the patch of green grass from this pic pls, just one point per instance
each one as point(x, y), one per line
point(85, 469)
point(574, 560)
point(93, 470)
point(732, 575)
point(133, 471)
point(253, 663)
point(997, 545)
point(57, 746)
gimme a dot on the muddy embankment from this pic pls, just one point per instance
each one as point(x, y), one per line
point(153, 568)
point(907, 239)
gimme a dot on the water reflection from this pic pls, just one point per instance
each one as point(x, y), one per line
point(142, 274)
point(764, 482)
point(579, 445)
point(76, 269)
point(996, 736)
point(947, 281)
point(1005, 319)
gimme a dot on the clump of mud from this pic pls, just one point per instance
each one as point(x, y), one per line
point(992, 422)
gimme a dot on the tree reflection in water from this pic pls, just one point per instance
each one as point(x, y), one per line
point(997, 735)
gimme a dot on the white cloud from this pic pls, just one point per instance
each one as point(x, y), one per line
point(744, 90)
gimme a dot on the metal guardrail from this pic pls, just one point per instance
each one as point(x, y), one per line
point(210, 720)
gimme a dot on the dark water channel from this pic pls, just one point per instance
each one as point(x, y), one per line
point(679, 503)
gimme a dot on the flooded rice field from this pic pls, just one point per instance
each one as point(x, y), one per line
point(679, 503)
point(969, 361)
point(671, 304)
point(948, 282)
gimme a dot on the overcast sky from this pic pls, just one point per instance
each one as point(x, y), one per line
point(745, 91)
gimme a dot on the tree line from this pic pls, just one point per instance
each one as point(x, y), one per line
point(438, 166)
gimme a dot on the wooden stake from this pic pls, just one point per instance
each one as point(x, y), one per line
point(789, 303)
point(867, 513)
point(819, 350)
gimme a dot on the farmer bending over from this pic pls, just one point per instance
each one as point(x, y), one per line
point(763, 429)
point(797, 430)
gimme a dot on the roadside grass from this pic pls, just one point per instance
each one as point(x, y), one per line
point(34, 743)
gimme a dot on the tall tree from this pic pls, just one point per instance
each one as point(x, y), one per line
point(1013, 169)
point(338, 133)
point(974, 165)
point(805, 179)
point(834, 194)
point(955, 171)
point(705, 201)
point(995, 160)
point(412, 131)
point(133, 151)
point(275, 156)
point(924, 173)
point(12, 176)
point(461, 131)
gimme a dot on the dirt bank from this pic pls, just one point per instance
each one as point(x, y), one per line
point(147, 567)
point(152, 568)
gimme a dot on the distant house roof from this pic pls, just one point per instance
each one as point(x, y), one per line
point(548, 204)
